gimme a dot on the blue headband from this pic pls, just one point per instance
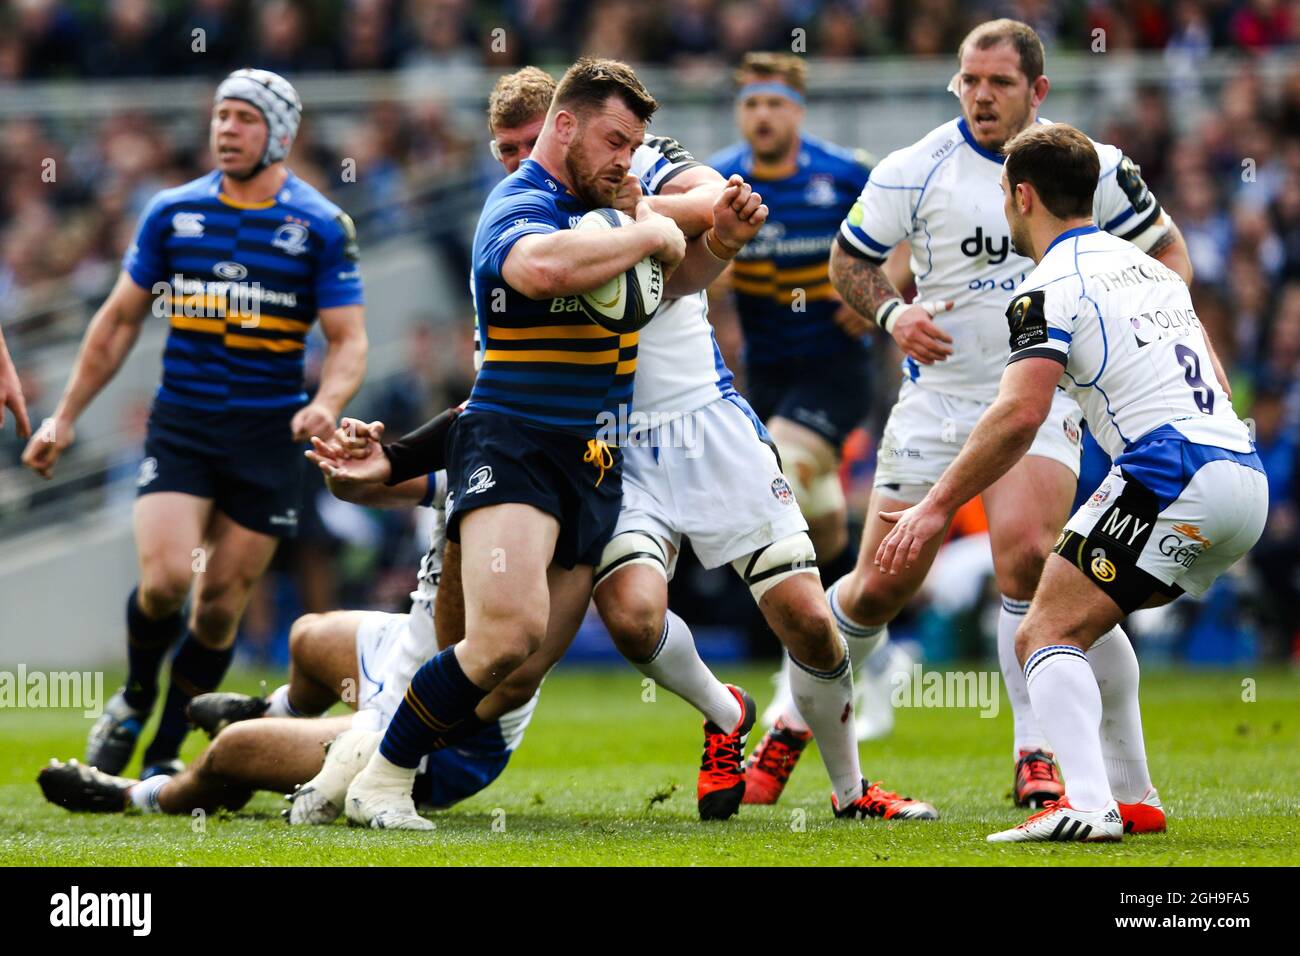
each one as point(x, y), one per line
point(779, 89)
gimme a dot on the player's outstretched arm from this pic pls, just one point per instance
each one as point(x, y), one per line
point(999, 440)
point(11, 393)
point(108, 340)
point(341, 373)
point(571, 262)
point(866, 289)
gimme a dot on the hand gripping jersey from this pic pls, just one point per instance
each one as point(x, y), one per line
point(1125, 329)
point(792, 252)
point(944, 195)
point(241, 285)
point(679, 366)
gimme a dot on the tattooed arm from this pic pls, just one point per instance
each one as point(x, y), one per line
point(865, 288)
point(1171, 249)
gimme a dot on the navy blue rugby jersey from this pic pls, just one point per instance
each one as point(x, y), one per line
point(241, 284)
point(792, 251)
point(540, 360)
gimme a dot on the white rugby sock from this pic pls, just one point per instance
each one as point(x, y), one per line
point(676, 665)
point(1064, 694)
point(1116, 668)
point(866, 645)
point(1028, 734)
point(280, 706)
point(863, 640)
point(825, 699)
point(145, 793)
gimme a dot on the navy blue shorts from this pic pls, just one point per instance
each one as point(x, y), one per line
point(831, 395)
point(454, 774)
point(494, 459)
point(247, 463)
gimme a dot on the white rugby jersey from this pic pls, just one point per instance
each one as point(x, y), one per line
point(678, 365)
point(944, 195)
point(1124, 327)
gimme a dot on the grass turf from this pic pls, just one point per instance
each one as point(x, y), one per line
point(604, 777)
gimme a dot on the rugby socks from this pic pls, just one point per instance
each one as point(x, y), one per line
point(825, 700)
point(282, 706)
point(196, 669)
point(1064, 694)
point(440, 697)
point(1122, 748)
point(1028, 733)
point(145, 793)
point(147, 641)
point(676, 665)
point(862, 640)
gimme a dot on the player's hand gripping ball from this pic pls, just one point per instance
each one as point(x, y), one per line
point(628, 301)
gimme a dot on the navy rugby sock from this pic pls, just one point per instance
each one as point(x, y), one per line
point(147, 641)
point(196, 669)
point(440, 699)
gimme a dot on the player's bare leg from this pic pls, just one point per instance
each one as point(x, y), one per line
point(811, 465)
point(168, 529)
point(322, 671)
point(1026, 510)
point(233, 558)
point(272, 754)
point(633, 603)
point(505, 555)
point(821, 681)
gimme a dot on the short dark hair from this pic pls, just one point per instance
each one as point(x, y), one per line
point(520, 97)
point(1020, 35)
point(1059, 162)
point(591, 81)
point(787, 67)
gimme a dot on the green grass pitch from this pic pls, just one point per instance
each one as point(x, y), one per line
point(604, 777)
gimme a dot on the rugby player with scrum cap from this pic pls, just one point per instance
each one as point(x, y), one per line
point(241, 262)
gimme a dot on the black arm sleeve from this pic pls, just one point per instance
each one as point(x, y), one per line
point(421, 452)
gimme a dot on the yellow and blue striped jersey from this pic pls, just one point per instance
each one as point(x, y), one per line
point(541, 360)
point(781, 278)
point(241, 284)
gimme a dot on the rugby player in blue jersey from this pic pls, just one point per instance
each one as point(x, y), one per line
point(534, 492)
point(241, 261)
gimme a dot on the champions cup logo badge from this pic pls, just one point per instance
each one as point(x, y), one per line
point(231, 270)
point(1099, 496)
point(292, 238)
point(1071, 431)
point(781, 490)
point(479, 480)
point(1019, 311)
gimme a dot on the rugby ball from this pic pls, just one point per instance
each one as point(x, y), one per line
point(628, 301)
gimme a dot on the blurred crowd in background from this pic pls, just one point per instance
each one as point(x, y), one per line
point(141, 38)
point(1232, 183)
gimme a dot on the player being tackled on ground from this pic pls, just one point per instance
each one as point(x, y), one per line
point(365, 658)
point(941, 194)
point(243, 260)
point(1186, 497)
